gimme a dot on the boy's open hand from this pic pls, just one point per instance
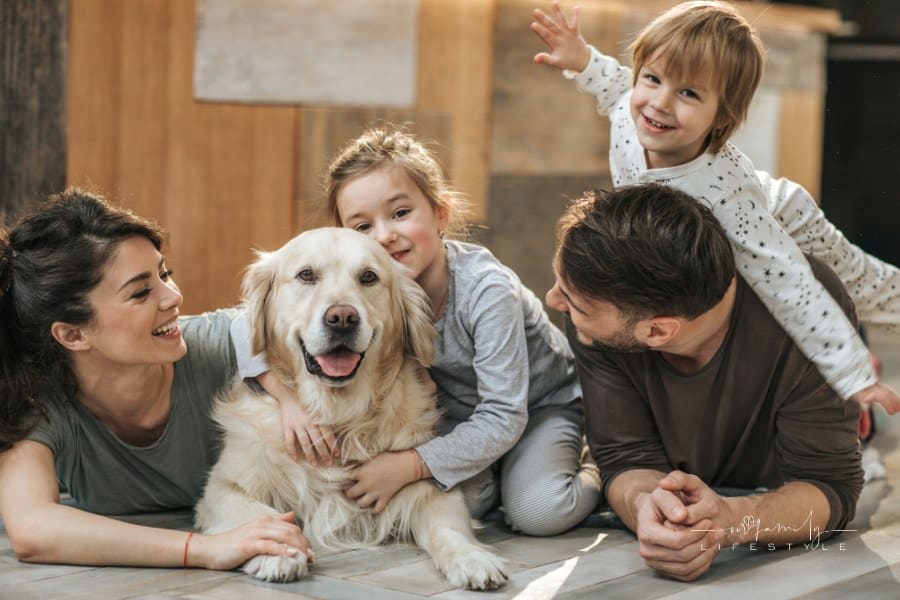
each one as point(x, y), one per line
point(879, 394)
point(568, 50)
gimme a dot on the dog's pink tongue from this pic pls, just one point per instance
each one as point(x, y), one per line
point(338, 364)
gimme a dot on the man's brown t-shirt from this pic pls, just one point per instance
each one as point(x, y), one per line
point(758, 415)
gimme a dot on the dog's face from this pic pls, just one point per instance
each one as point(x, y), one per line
point(332, 302)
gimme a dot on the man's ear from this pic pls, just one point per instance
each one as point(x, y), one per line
point(70, 336)
point(656, 332)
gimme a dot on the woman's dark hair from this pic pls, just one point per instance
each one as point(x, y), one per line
point(49, 263)
point(647, 249)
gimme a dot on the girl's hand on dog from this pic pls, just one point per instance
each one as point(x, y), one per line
point(270, 535)
point(380, 478)
point(317, 442)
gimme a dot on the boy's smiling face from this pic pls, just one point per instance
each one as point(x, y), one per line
point(673, 115)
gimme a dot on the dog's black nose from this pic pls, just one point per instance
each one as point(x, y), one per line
point(341, 317)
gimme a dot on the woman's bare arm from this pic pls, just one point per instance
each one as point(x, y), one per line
point(42, 530)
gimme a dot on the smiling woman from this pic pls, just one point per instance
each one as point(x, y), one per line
point(106, 389)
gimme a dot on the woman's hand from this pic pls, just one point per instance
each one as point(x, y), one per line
point(271, 535)
point(316, 441)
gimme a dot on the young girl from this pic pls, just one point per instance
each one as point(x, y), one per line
point(512, 425)
point(696, 68)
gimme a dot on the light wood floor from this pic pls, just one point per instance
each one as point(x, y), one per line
point(589, 562)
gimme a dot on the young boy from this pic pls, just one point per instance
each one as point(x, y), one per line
point(696, 68)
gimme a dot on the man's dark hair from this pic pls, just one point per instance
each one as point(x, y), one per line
point(647, 249)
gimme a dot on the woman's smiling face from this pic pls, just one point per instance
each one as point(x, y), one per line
point(136, 308)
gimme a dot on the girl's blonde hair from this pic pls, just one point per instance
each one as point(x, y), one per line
point(377, 148)
point(707, 38)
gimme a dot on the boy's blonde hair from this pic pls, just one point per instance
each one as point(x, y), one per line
point(377, 148)
point(707, 38)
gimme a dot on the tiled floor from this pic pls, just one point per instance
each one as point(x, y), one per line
point(588, 562)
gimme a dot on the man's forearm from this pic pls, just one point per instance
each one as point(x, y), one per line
point(797, 512)
point(626, 488)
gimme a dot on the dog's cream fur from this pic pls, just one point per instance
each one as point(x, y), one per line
point(330, 287)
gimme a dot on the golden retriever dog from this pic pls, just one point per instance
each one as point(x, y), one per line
point(341, 324)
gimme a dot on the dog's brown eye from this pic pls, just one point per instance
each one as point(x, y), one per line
point(368, 277)
point(306, 275)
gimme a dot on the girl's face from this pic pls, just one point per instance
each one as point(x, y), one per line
point(136, 308)
point(673, 116)
point(388, 206)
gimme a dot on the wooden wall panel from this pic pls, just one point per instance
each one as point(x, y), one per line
point(219, 177)
point(451, 115)
point(456, 40)
point(306, 51)
point(33, 47)
point(225, 178)
point(144, 105)
point(794, 60)
point(94, 105)
point(800, 135)
point(322, 132)
point(787, 17)
point(542, 125)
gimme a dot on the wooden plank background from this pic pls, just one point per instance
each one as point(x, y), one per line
point(219, 177)
point(352, 52)
point(33, 46)
point(226, 178)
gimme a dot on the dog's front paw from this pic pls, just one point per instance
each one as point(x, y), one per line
point(277, 568)
point(477, 570)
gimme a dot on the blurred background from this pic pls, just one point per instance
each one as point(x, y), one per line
point(218, 117)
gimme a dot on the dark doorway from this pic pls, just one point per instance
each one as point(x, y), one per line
point(861, 154)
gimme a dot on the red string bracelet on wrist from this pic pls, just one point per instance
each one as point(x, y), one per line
point(187, 543)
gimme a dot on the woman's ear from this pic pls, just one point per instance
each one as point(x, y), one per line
point(70, 337)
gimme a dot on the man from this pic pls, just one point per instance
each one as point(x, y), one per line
point(690, 386)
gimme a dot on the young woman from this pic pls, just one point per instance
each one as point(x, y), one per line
point(106, 389)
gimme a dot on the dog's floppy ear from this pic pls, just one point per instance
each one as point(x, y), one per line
point(256, 288)
point(418, 328)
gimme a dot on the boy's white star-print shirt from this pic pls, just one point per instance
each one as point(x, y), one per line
point(873, 284)
point(765, 255)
